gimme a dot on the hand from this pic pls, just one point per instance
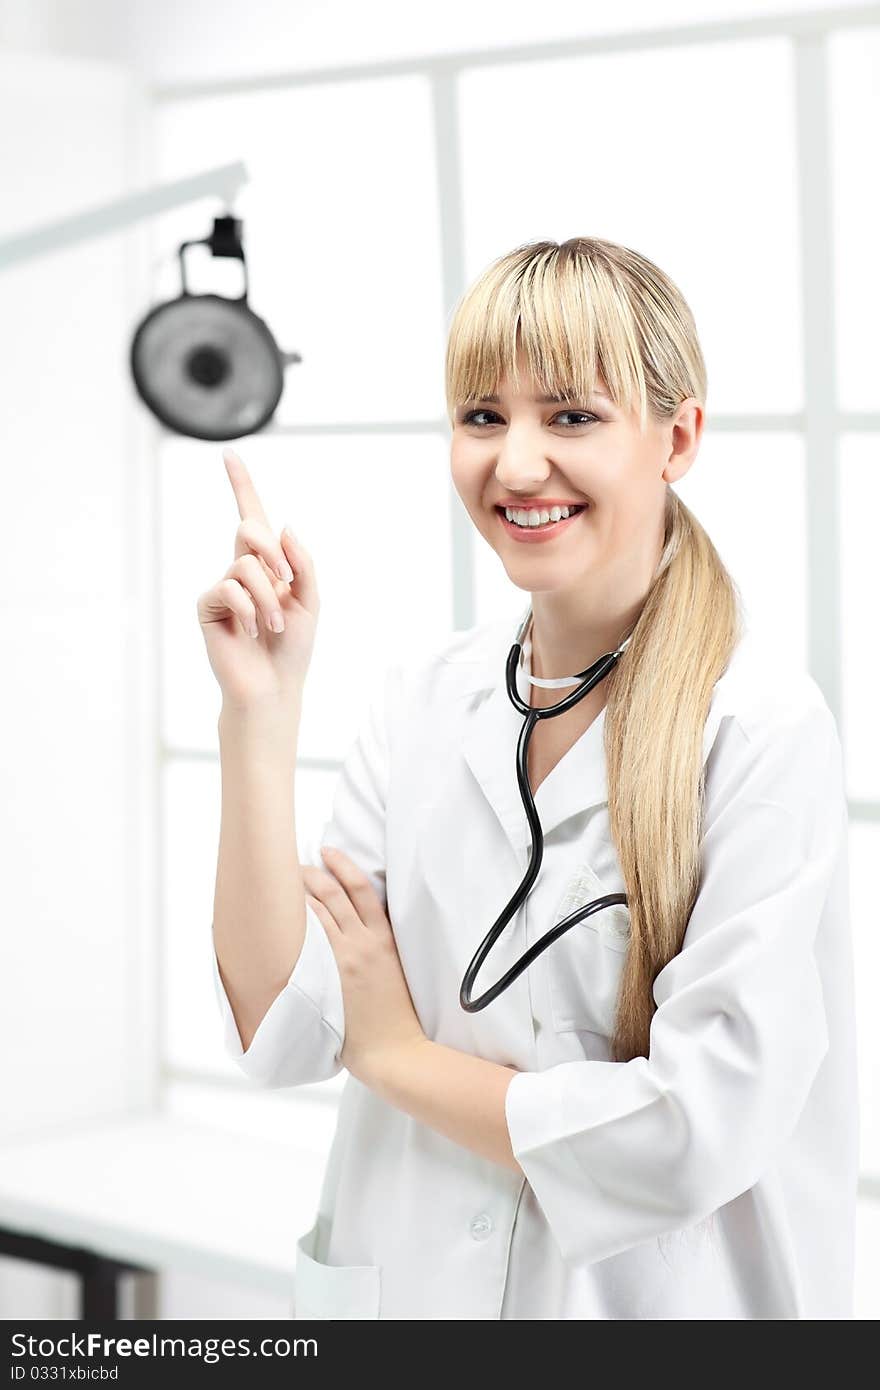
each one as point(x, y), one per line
point(379, 1012)
point(274, 666)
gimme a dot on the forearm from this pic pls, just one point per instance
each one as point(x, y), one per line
point(259, 898)
point(457, 1094)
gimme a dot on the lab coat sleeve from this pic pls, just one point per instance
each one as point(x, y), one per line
point(618, 1153)
point(300, 1037)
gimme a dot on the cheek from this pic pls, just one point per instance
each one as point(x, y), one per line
point(630, 491)
point(627, 522)
point(462, 475)
point(469, 483)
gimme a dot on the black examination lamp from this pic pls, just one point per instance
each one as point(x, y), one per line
point(205, 365)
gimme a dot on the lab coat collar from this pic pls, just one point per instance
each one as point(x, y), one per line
point(577, 783)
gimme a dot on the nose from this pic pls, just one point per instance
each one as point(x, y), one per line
point(521, 466)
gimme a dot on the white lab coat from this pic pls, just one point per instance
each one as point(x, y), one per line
point(714, 1179)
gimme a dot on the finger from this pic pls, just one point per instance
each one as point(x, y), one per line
point(249, 505)
point(250, 573)
point(253, 538)
point(323, 915)
point(305, 585)
point(357, 885)
point(333, 896)
point(225, 599)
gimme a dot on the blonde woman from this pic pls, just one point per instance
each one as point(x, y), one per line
point(657, 1118)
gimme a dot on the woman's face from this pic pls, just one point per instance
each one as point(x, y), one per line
point(522, 451)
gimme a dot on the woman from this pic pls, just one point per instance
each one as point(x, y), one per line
point(657, 1119)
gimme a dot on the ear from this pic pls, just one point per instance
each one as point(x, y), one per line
point(685, 430)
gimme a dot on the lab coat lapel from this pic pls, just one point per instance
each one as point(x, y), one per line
point(577, 782)
point(489, 746)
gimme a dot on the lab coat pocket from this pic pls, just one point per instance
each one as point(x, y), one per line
point(585, 965)
point(331, 1292)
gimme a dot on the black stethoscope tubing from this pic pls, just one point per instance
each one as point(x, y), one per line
point(590, 678)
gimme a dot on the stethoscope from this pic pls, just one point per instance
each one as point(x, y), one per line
point(590, 678)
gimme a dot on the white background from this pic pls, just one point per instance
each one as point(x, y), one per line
point(692, 152)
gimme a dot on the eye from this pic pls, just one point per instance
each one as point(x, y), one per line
point(471, 417)
point(584, 417)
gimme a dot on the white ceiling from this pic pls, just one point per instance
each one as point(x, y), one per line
point(179, 40)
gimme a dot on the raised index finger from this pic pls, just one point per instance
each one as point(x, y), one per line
point(249, 504)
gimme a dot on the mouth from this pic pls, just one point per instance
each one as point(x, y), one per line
point(545, 531)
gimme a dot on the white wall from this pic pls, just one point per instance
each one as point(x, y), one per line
point(76, 1002)
point(75, 28)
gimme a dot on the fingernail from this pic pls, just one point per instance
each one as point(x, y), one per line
point(287, 531)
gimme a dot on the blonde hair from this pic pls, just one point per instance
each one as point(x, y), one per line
point(580, 309)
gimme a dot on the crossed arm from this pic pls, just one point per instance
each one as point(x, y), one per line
point(455, 1093)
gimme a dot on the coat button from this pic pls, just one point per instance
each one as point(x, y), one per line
point(481, 1226)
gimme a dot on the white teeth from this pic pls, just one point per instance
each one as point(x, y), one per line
point(529, 517)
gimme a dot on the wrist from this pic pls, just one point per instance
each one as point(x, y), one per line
point(384, 1069)
point(269, 712)
point(269, 727)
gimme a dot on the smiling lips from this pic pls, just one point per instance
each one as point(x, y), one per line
point(529, 535)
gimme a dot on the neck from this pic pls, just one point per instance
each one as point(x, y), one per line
point(572, 629)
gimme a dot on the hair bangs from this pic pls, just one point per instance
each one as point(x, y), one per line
point(560, 309)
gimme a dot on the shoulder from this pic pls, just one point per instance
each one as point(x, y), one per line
point(457, 661)
point(767, 696)
point(430, 681)
point(770, 734)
